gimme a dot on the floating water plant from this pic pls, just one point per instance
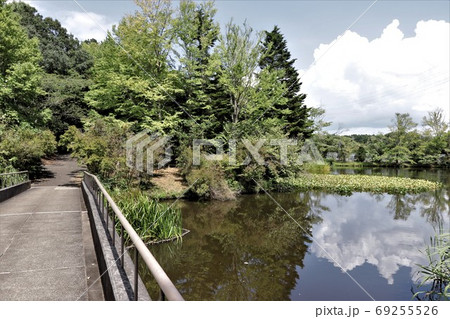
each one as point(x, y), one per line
point(346, 184)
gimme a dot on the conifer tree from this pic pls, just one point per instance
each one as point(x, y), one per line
point(295, 112)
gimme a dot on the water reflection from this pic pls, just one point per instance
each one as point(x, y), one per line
point(243, 250)
point(250, 249)
point(358, 230)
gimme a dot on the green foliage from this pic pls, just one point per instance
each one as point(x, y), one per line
point(19, 69)
point(315, 168)
point(101, 147)
point(22, 147)
point(62, 53)
point(131, 73)
point(346, 184)
point(438, 269)
point(294, 111)
point(152, 221)
point(64, 100)
point(361, 153)
point(207, 181)
point(403, 146)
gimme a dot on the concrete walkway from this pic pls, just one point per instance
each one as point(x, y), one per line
point(46, 248)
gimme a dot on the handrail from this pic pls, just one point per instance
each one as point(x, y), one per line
point(12, 173)
point(13, 178)
point(168, 289)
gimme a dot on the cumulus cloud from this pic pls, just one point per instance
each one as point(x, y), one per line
point(86, 25)
point(83, 25)
point(362, 84)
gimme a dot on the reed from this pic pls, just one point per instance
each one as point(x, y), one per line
point(153, 221)
point(437, 272)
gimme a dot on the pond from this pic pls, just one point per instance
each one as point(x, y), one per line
point(306, 245)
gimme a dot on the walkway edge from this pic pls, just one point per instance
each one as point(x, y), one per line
point(8, 192)
point(116, 283)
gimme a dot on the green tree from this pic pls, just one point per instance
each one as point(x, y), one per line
point(19, 70)
point(61, 52)
point(132, 75)
point(294, 111)
point(66, 64)
point(360, 155)
point(251, 94)
point(435, 122)
point(204, 97)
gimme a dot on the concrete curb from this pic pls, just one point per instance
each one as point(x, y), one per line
point(7, 193)
point(117, 283)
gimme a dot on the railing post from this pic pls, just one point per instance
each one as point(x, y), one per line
point(106, 214)
point(136, 274)
point(122, 244)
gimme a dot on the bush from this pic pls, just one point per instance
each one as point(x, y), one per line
point(101, 147)
point(207, 181)
point(315, 168)
point(22, 147)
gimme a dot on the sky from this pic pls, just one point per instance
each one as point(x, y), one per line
point(362, 61)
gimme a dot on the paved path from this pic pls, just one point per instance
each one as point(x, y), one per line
point(46, 248)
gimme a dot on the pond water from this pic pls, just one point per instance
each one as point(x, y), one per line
point(309, 246)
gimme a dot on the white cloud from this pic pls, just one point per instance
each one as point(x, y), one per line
point(86, 25)
point(83, 25)
point(363, 83)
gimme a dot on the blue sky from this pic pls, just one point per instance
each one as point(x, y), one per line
point(357, 97)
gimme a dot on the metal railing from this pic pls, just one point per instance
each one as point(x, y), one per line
point(106, 206)
point(13, 178)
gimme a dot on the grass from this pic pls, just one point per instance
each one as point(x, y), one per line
point(346, 184)
point(152, 220)
point(438, 269)
point(352, 164)
point(161, 194)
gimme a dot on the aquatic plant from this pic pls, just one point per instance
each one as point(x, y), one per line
point(152, 220)
point(346, 184)
point(438, 269)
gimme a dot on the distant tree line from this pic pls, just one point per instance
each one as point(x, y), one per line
point(404, 145)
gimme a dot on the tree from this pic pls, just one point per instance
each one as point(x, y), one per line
point(61, 52)
point(132, 75)
point(251, 94)
point(204, 97)
point(360, 155)
point(278, 57)
point(402, 124)
point(19, 69)
point(65, 62)
point(435, 122)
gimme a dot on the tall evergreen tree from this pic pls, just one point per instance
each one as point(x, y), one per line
point(295, 112)
point(204, 98)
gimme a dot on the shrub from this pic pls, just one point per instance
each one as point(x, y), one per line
point(101, 147)
point(315, 168)
point(22, 147)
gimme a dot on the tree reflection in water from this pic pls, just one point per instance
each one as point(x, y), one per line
point(249, 249)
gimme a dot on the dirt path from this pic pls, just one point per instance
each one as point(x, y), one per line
point(169, 180)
